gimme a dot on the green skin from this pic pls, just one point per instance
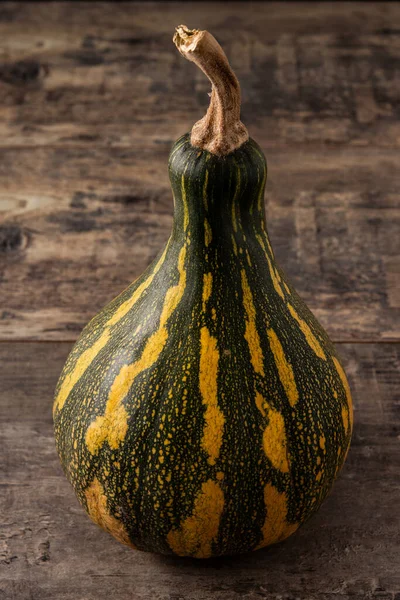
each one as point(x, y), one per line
point(132, 487)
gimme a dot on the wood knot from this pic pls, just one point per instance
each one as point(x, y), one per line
point(12, 239)
point(22, 72)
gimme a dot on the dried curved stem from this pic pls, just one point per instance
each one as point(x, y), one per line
point(220, 131)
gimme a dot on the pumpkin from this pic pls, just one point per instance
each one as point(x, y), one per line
point(204, 411)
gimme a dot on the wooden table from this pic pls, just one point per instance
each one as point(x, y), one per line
point(91, 98)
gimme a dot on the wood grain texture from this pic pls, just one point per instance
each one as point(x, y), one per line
point(50, 549)
point(91, 99)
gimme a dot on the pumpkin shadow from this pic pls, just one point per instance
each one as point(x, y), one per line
point(220, 562)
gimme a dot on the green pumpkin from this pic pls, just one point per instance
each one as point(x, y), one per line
point(204, 411)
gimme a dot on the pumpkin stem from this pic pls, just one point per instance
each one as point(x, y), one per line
point(220, 131)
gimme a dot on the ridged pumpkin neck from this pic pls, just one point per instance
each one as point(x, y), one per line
point(223, 193)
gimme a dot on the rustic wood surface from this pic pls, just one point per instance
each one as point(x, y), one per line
point(92, 96)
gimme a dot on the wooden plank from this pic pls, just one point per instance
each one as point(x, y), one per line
point(86, 75)
point(78, 227)
point(50, 549)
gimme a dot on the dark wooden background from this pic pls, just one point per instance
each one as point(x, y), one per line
point(92, 95)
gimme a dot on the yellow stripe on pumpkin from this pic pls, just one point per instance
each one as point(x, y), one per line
point(197, 532)
point(348, 417)
point(208, 381)
point(97, 508)
point(345, 418)
point(260, 404)
point(88, 356)
point(185, 204)
point(261, 194)
point(285, 370)
point(276, 527)
point(112, 427)
point(274, 274)
point(175, 150)
point(235, 250)
point(308, 334)
point(205, 184)
point(207, 233)
point(207, 288)
point(274, 437)
point(82, 363)
point(251, 333)
point(266, 239)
